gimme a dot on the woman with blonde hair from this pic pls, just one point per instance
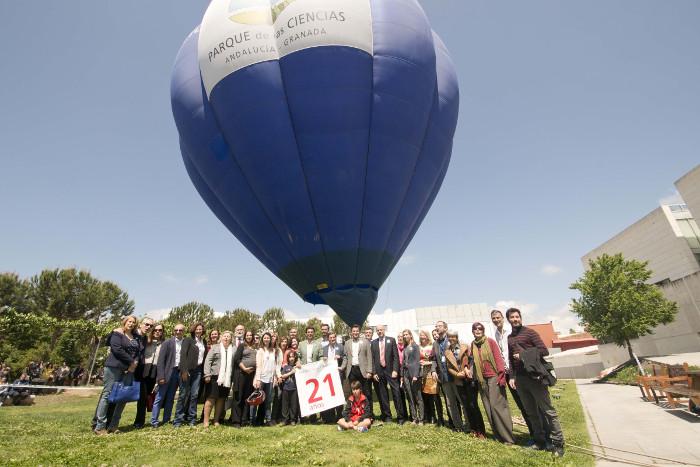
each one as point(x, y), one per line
point(218, 372)
point(430, 388)
point(121, 363)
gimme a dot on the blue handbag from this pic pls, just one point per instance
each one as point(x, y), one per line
point(122, 393)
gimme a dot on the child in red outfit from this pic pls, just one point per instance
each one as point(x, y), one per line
point(356, 411)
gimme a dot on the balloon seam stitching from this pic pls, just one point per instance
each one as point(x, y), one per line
point(364, 182)
point(306, 182)
point(257, 199)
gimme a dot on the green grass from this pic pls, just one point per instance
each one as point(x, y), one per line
point(627, 375)
point(56, 431)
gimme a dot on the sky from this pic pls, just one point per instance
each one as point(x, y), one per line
point(575, 120)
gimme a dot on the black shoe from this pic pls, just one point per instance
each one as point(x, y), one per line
point(558, 451)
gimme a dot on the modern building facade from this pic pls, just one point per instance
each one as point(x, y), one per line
point(669, 239)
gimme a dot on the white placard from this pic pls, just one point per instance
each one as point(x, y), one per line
point(238, 33)
point(318, 387)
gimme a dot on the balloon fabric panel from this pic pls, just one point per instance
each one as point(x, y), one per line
point(324, 162)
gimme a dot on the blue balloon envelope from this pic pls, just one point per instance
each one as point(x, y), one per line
point(319, 133)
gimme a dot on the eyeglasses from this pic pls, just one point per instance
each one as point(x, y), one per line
point(157, 330)
point(179, 330)
point(478, 329)
point(147, 325)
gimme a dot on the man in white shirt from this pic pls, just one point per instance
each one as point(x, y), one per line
point(168, 376)
point(325, 332)
point(501, 338)
point(334, 352)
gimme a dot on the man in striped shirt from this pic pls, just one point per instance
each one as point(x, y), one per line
point(533, 393)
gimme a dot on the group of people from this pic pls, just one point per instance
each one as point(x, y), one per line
point(230, 370)
point(47, 373)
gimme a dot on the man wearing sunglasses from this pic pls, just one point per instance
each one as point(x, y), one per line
point(168, 376)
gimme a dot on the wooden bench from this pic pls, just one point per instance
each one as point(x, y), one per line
point(682, 384)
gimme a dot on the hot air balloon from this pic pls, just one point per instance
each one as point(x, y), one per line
point(319, 133)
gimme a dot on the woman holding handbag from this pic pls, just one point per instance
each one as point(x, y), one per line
point(430, 391)
point(148, 378)
point(121, 363)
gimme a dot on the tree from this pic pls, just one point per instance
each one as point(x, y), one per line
point(273, 320)
point(190, 313)
point(617, 304)
point(14, 292)
point(73, 294)
point(233, 318)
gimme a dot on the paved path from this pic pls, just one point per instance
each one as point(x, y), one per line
point(617, 417)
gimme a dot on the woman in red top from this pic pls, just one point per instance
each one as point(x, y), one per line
point(491, 372)
point(356, 412)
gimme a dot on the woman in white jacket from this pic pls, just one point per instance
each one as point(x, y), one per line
point(267, 372)
point(218, 368)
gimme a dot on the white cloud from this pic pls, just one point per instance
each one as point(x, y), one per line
point(550, 270)
point(563, 319)
point(157, 314)
point(407, 260)
point(167, 277)
point(673, 198)
point(201, 279)
point(173, 279)
point(526, 309)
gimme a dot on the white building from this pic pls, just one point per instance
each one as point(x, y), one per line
point(669, 238)
point(458, 317)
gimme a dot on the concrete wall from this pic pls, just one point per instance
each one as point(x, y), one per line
point(652, 239)
point(578, 363)
point(689, 188)
point(683, 335)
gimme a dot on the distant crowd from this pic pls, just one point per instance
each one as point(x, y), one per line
point(245, 378)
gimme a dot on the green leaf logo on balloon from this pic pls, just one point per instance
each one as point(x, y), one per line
point(256, 12)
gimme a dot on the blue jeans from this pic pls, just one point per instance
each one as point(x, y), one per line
point(186, 410)
point(112, 375)
point(165, 398)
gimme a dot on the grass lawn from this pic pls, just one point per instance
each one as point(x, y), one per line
point(56, 431)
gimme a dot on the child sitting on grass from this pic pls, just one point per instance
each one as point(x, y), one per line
point(356, 411)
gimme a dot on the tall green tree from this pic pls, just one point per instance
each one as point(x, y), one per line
point(190, 313)
point(233, 318)
point(14, 292)
point(617, 304)
point(76, 294)
point(273, 320)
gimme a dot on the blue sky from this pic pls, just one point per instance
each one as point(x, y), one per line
point(576, 118)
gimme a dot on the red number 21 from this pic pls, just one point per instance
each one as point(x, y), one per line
point(328, 380)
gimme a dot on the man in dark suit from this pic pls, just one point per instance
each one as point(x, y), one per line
point(334, 352)
point(168, 375)
point(192, 355)
point(385, 356)
point(359, 363)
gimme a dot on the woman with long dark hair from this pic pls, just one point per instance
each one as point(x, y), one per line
point(267, 373)
point(245, 362)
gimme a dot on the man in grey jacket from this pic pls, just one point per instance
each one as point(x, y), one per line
point(359, 362)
